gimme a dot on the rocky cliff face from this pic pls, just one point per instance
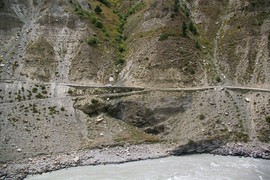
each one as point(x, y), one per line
point(60, 58)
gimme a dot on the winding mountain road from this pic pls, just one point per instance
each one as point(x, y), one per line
point(129, 90)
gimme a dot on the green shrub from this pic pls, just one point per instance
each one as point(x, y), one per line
point(99, 24)
point(218, 79)
point(34, 90)
point(192, 28)
point(121, 47)
point(163, 37)
point(98, 9)
point(70, 91)
point(93, 19)
point(92, 41)
point(44, 92)
point(201, 116)
point(176, 6)
point(197, 45)
point(267, 118)
point(43, 87)
point(105, 2)
point(121, 61)
point(39, 96)
point(184, 29)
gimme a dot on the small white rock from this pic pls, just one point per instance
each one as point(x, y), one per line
point(19, 150)
point(76, 159)
point(247, 99)
point(111, 79)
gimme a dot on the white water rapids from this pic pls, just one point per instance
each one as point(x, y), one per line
point(191, 167)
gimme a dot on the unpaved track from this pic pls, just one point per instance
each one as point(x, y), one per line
point(131, 90)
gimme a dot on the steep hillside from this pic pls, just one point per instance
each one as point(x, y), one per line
point(81, 74)
point(193, 43)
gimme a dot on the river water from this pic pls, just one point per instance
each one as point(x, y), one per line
point(191, 167)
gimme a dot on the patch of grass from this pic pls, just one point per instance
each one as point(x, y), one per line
point(121, 47)
point(135, 136)
point(105, 2)
point(163, 37)
point(99, 24)
point(98, 9)
point(121, 61)
point(92, 41)
point(135, 8)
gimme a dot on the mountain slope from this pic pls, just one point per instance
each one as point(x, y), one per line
point(83, 73)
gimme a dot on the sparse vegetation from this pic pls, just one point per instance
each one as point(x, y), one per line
point(191, 142)
point(184, 29)
point(201, 116)
point(105, 2)
point(218, 79)
point(34, 108)
point(163, 37)
point(52, 110)
point(98, 9)
point(176, 6)
point(34, 90)
point(267, 118)
point(192, 28)
point(70, 91)
point(44, 92)
point(197, 45)
point(40, 96)
point(91, 41)
point(121, 61)
point(99, 24)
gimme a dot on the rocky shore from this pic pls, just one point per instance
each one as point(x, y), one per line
point(255, 150)
point(107, 155)
point(122, 154)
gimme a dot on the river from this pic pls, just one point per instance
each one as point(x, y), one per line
point(191, 167)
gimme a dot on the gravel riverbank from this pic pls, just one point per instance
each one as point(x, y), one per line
point(255, 150)
point(109, 155)
point(122, 154)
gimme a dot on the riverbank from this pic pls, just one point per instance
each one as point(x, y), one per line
point(122, 154)
point(109, 155)
point(254, 150)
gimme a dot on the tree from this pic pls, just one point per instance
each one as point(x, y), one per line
point(99, 24)
point(197, 45)
point(192, 28)
point(98, 9)
point(184, 29)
